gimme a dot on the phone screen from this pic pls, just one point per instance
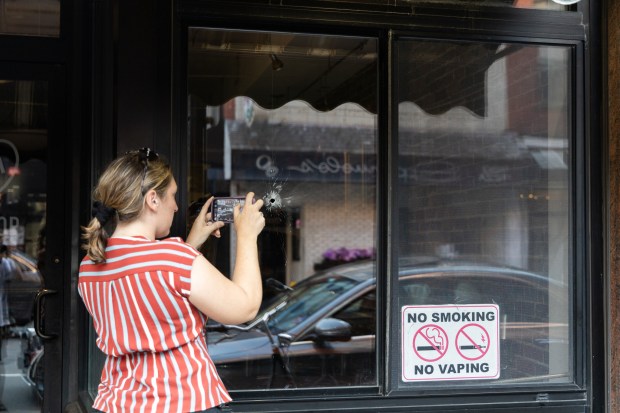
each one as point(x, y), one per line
point(223, 208)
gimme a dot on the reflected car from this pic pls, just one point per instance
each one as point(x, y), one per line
point(30, 360)
point(21, 290)
point(323, 332)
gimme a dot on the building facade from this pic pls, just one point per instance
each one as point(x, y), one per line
point(439, 180)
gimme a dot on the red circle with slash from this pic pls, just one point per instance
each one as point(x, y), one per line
point(472, 341)
point(430, 342)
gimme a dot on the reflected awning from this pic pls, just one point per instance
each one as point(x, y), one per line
point(327, 71)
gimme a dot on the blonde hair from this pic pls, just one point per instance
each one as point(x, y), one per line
point(121, 189)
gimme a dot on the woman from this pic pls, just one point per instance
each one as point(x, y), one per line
point(150, 299)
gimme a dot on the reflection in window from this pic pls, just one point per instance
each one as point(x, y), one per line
point(484, 188)
point(30, 17)
point(360, 315)
point(23, 209)
point(306, 301)
point(292, 118)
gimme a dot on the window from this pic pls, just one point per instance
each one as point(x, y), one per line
point(24, 161)
point(482, 293)
point(484, 193)
point(292, 118)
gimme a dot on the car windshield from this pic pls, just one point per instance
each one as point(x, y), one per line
point(307, 299)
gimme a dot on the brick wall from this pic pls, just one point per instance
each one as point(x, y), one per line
point(332, 216)
point(494, 225)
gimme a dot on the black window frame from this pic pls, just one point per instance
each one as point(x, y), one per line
point(387, 23)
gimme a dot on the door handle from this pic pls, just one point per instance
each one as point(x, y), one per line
point(38, 310)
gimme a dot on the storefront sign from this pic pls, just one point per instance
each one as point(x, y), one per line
point(358, 167)
point(323, 167)
point(450, 342)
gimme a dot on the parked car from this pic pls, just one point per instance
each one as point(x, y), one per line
point(323, 333)
point(30, 360)
point(23, 287)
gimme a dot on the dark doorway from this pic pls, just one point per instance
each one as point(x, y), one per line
point(272, 247)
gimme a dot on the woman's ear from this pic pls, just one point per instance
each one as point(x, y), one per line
point(152, 200)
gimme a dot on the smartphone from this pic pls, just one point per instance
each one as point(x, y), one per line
point(222, 209)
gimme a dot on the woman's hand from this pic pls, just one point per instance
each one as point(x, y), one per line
point(203, 227)
point(249, 221)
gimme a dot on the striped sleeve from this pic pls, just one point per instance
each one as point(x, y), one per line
point(182, 280)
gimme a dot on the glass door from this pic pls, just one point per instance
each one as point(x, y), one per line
point(30, 270)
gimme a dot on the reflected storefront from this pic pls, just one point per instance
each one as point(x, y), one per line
point(303, 137)
point(292, 137)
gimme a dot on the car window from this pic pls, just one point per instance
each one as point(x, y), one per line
point(306, 300)
point(25, 268)
point(426, 289)
point(361, 315)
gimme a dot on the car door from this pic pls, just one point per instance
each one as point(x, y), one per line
point(321, 360)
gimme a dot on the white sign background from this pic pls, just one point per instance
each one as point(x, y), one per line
point(450, 342)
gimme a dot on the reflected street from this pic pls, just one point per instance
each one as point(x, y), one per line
point(16, 393)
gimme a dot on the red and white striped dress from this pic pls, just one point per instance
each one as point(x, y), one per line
point(157, 358)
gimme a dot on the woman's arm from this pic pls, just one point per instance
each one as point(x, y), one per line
point(235, 300)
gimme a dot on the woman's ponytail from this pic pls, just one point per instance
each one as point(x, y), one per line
point(95, 235)
point(96, 240)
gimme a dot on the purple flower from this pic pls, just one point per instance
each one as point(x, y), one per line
point(348, 255)
point(330, 255)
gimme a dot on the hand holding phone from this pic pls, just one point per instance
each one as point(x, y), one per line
point(222, 208)
point(203, 225)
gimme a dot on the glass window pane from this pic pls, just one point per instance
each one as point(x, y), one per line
point(291, 117)
point(23, 209)
point(30, 17)
point(484, 200)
